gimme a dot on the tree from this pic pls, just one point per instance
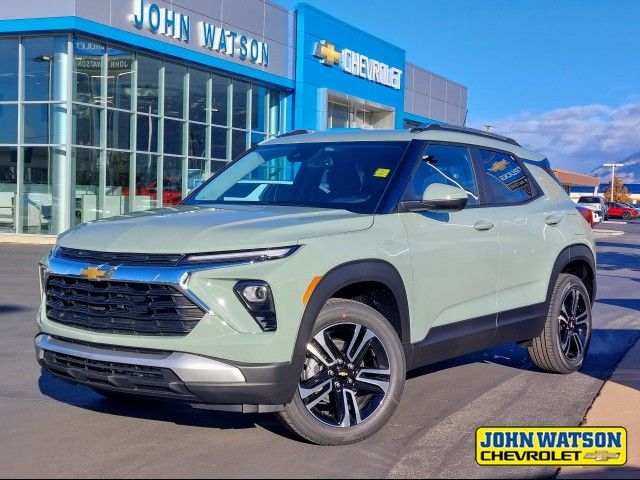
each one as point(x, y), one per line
point(620, 192)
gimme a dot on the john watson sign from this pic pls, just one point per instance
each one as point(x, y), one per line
point(174, 24)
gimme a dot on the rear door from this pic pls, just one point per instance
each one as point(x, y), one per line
point(529, 235)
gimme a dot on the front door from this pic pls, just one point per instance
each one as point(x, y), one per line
point(455, 255)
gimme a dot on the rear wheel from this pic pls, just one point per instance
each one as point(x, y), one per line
point(626, 216)
point(563, 344)
point(352, 379)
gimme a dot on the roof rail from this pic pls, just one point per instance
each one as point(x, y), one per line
point(294, 132)
point(470, 131)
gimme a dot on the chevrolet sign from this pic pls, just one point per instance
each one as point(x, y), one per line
point(358, 64)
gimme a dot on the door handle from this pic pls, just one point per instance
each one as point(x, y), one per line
point(552, 220)
point(483, 226)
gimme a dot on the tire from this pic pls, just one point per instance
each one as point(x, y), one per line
point(626, 216)
point(352, 332)
point(563, 344)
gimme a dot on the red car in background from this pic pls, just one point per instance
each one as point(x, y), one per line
point(587, 214)
point(619, 210)
point(171, 191)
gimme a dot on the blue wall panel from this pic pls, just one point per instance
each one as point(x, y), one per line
point(312, 75)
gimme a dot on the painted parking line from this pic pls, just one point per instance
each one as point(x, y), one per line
point(607, 233)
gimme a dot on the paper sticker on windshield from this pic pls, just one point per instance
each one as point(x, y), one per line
point(382, 172)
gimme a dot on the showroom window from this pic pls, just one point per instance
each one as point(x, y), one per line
point(132, 132)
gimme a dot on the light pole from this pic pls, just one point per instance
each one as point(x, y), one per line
point(613, 175)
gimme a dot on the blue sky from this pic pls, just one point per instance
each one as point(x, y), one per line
point(562, 75)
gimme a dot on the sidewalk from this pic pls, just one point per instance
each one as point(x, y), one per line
point(618, 404)
point(27, 239)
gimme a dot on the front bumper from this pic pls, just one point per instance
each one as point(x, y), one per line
point(198, 380)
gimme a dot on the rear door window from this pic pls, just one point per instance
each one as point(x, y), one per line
point(507, 181)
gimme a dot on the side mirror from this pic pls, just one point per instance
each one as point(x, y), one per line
point(440, 197)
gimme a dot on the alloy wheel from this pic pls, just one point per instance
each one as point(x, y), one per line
point(575, 326)
point(346, 375)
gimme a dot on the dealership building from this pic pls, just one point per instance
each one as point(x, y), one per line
point(114, 106)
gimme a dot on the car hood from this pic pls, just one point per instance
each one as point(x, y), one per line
point(193, 229)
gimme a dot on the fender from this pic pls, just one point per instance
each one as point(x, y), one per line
point(568, 255)
point(369, 270)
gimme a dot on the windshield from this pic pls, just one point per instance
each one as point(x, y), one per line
point(343, 175)
point(589, 200)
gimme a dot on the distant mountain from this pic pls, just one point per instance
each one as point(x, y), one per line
point(630, 173)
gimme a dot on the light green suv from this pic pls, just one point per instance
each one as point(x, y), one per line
point(308, 276)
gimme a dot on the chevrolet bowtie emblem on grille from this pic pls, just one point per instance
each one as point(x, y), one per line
point(96, 273)
point(327, 52)
point(602, 456)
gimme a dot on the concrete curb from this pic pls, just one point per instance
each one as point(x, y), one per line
point(28, 239)
point(616, 405)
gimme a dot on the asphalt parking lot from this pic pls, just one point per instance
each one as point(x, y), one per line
point(48, 428)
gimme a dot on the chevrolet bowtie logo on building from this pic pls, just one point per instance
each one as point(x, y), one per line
point(327, 52)
point(97, 273)
point(358, 64)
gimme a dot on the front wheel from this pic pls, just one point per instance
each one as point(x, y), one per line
point(563, 344)
point(626, 216)
point(353, 376)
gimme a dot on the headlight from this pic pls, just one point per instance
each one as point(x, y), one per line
point(244, 256)
point(44, 271)
point(258, 300)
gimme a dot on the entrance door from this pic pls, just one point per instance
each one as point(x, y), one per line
point(357, 113)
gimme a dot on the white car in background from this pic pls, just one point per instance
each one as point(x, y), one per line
point(595, 203)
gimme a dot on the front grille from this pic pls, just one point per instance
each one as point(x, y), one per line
point(120, 307)
point(112, 258)
point(135, 379)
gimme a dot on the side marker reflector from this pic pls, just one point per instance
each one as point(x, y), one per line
point(312, 286)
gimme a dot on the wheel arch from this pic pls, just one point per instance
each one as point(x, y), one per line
point(577, 259)
point(342, 277)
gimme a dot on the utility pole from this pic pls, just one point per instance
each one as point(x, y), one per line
point(613, 175)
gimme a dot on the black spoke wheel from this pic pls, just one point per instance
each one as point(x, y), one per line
point(575, 329)
point(346, 375)
point(352, 378)
point(563, 344)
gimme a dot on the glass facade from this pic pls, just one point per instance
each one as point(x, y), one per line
point(88, 129)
